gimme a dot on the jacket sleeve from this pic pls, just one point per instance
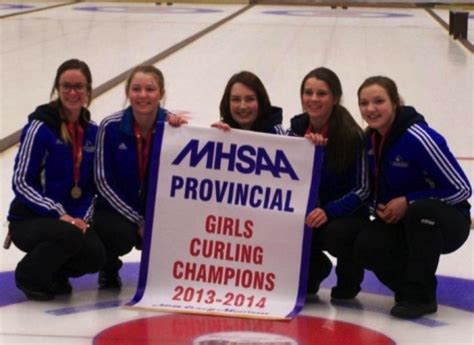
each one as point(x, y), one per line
point(90, 211)
point(357, 196)
point(279, 130)
point(450, 184)
point(291, 133)
point(27, 174)
point(107, 185)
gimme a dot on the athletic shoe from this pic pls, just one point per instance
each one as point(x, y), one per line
point(321, 271)
point(109, 280)
point(344, 293)
point(35, 293)
point(61, 286)
point(409, 310)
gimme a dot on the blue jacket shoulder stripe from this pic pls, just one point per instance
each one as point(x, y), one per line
point(278, 129)
point(444, 165)
point(364, 190)
point(105, 189)
point(115, 117)
point(19, 179)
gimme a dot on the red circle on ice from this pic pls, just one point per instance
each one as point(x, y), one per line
point(183, 329)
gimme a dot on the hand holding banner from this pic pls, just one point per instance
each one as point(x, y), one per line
point(225, 230)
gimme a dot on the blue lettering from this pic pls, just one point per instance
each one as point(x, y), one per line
point(205, 190)
point(254, 200)
point(221, 189)
point(284, 165)
point(177, 182)
point(288, 207)
point(230, 197)
point(264, 162)
point(196, 156)
point(245, 159)
point(239, 194)
point(277, 200)
point(242, 194)
point(190, 189)
point(221, 155)
point(267, 197)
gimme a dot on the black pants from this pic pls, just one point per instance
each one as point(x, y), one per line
point(337, 237)
point(405, 256)
point(54, 247)
point(118, 234)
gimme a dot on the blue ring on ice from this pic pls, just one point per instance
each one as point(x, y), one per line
point(452, 291)
point(337, 14)
point(147, 9)
point(15, 7)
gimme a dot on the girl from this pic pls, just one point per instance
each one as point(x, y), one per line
point(54, 189)
point(419, 199)
point(343, 186)
point(121, 170)
point(245, 105)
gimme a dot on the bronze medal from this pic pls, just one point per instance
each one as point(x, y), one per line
point(76, 192)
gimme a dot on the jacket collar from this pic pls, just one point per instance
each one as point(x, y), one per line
point(126, 124)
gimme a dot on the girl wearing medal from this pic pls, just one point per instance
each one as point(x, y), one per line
point(54, 189)
point(121, 168)
point(343, 187)
point(419, 199)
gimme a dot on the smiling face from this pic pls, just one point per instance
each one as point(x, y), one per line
point(144, 94)
point(243, 105)
point(72, 91)
point(377, 108)
point(317, 100)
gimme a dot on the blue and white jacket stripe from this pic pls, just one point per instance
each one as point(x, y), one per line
point(43, 173)
point(27, 161)
point(417, 163)
point(116, 166)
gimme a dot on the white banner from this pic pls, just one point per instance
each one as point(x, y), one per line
point(225, 230)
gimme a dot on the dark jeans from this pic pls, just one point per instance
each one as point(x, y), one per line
point(405, 256)
point(54, 246)
point(118, 234)
point(337, 237)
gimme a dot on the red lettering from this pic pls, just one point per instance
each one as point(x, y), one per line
point(228, 226)
point(270, 278)
point(229, 274)
point(177, 267)
point(218, 249)
point(193, 247)
point(224, 275)
point(210, 224)
point(248, 226)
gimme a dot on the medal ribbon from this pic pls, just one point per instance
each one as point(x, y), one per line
point(77, 137)
point(143, 149)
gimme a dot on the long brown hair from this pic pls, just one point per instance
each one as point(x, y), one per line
point(254, 83)
point(345, 135)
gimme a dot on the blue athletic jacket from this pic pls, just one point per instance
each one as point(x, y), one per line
point(416, 163)
point(273, 122)
point(340, 194)
point(44, 174)
point(116, 166)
